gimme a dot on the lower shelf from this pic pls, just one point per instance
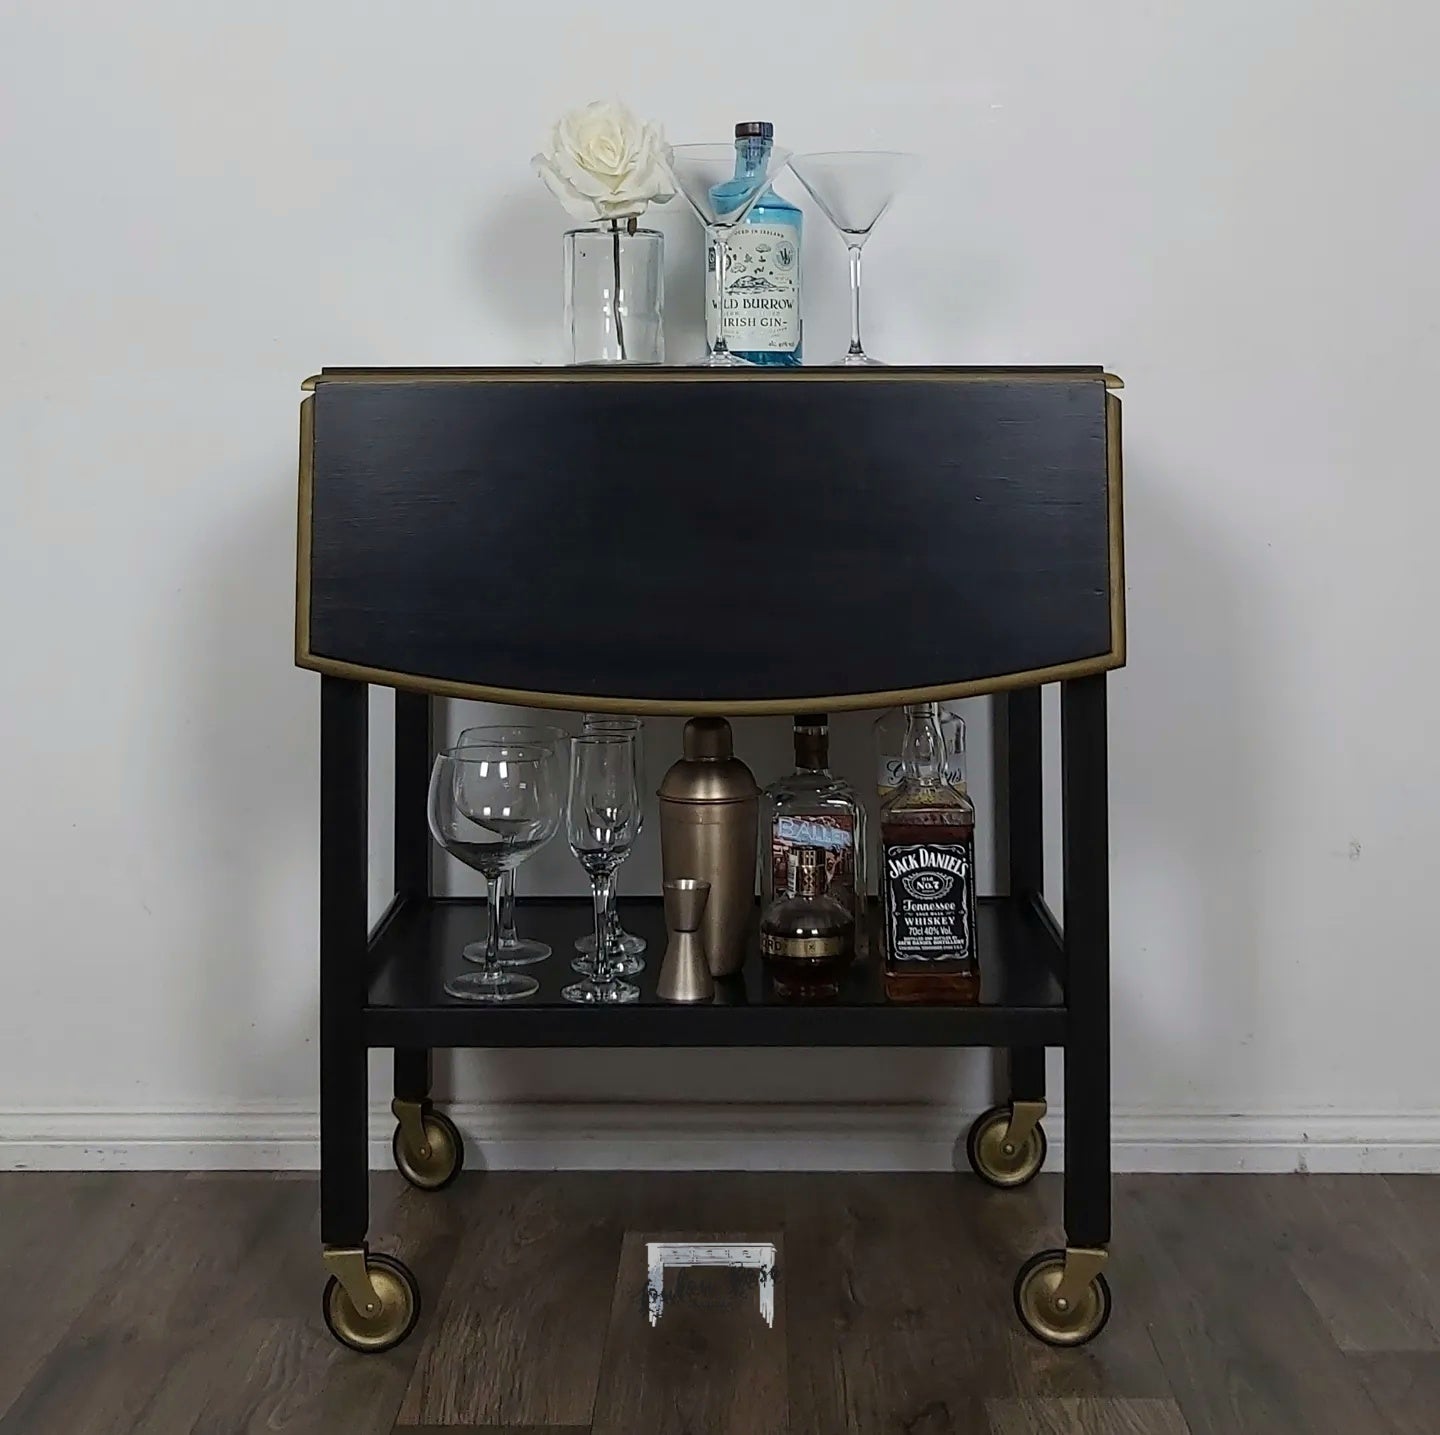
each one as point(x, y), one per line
point(417, 947)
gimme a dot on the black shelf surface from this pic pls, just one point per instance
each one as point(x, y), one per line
point(417, 946)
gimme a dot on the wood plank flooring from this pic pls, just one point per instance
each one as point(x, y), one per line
point(1244, 1305)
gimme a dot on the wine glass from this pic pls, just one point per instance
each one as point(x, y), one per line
point(491, 805)
point(722, 193)
point(602, 821)
point(625, 947)
point(515, 950)
point(854, 188)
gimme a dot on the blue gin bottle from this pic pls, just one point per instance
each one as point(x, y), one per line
point(762, 280)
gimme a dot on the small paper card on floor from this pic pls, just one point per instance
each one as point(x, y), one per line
point(758, 1256)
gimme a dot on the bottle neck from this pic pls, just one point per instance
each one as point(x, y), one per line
point(924, 752)
point(809, 878)
point(752, 153)
point(812, 748)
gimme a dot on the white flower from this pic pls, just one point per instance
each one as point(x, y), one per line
point(603, 163)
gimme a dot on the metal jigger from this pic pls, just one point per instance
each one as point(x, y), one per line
point(685, 974)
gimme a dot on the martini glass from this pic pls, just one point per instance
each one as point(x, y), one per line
point(854, 188)
point(722, 194)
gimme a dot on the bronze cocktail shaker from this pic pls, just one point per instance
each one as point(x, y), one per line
point(709, 805)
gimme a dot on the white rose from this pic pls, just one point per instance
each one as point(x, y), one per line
point(603, 163)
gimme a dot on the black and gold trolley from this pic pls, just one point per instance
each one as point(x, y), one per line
point(681, 541)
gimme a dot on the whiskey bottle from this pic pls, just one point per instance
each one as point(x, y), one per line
point(806, 937)
point(889, 734)
point(927, 878)
point(814, 808)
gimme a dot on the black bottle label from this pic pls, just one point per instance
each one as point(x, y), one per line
point(930, 902)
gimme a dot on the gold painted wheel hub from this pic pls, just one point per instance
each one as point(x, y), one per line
point(433, 1164)
point(1004, 1162)
point(1057, 1319)
point(378, 1329)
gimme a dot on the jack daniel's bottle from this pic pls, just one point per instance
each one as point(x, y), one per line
point(927, 875)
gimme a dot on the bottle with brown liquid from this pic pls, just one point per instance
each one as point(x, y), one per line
point(927, 875)
point(806, 937)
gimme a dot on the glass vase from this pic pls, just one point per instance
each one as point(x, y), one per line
point(614, 295)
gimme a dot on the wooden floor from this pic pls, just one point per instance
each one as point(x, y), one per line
point(1243, 1305)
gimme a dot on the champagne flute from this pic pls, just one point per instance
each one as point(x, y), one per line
point(625, 946)
point(602, 822)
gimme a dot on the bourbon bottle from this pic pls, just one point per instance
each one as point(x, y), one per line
point(806, 937)
point(927, 874)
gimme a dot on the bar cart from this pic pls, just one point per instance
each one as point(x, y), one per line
point(684, 541)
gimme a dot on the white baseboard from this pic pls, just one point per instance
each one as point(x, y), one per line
point(779, 1137)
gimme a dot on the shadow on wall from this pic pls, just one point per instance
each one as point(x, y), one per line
point(1187, 772)
point(249, 787)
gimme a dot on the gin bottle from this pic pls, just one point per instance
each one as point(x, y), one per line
point(927, 878)
point(762, 278)
point(814, 809)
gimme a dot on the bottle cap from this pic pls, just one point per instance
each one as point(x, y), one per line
point(755, 129)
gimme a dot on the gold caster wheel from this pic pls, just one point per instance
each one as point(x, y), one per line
point(1061, 1297)
point(427, 1146)
point(371, 1303)
point(1006, 1146)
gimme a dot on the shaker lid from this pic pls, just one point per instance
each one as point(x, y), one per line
point(708, 738)
point(709, 770)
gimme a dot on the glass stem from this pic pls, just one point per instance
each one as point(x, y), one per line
point(602, 884)
point(492, 968)
point(612, 916)
point(856, 350)
point(506, 909)
point(722, 266)
point(615, 297)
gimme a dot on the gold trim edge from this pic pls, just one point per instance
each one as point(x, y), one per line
point(304, 527)
point(1115, 486)
point(695, 374)
point(681, 707)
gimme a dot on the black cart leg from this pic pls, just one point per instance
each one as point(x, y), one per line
point(1062, 1296)
point(1087, 945)
point(344, 1139)
point(427, 1147)
point(413, 756)
point(371, 1302)
point(1006, 1145)
point(1027, 868)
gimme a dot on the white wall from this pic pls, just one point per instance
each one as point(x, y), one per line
point(1233, 205)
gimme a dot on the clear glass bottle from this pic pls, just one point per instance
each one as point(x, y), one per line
point(762, 279)
point(889, 736)
point(614, 295)
point(812, 808)
point(806, 937)
point(927, 876)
